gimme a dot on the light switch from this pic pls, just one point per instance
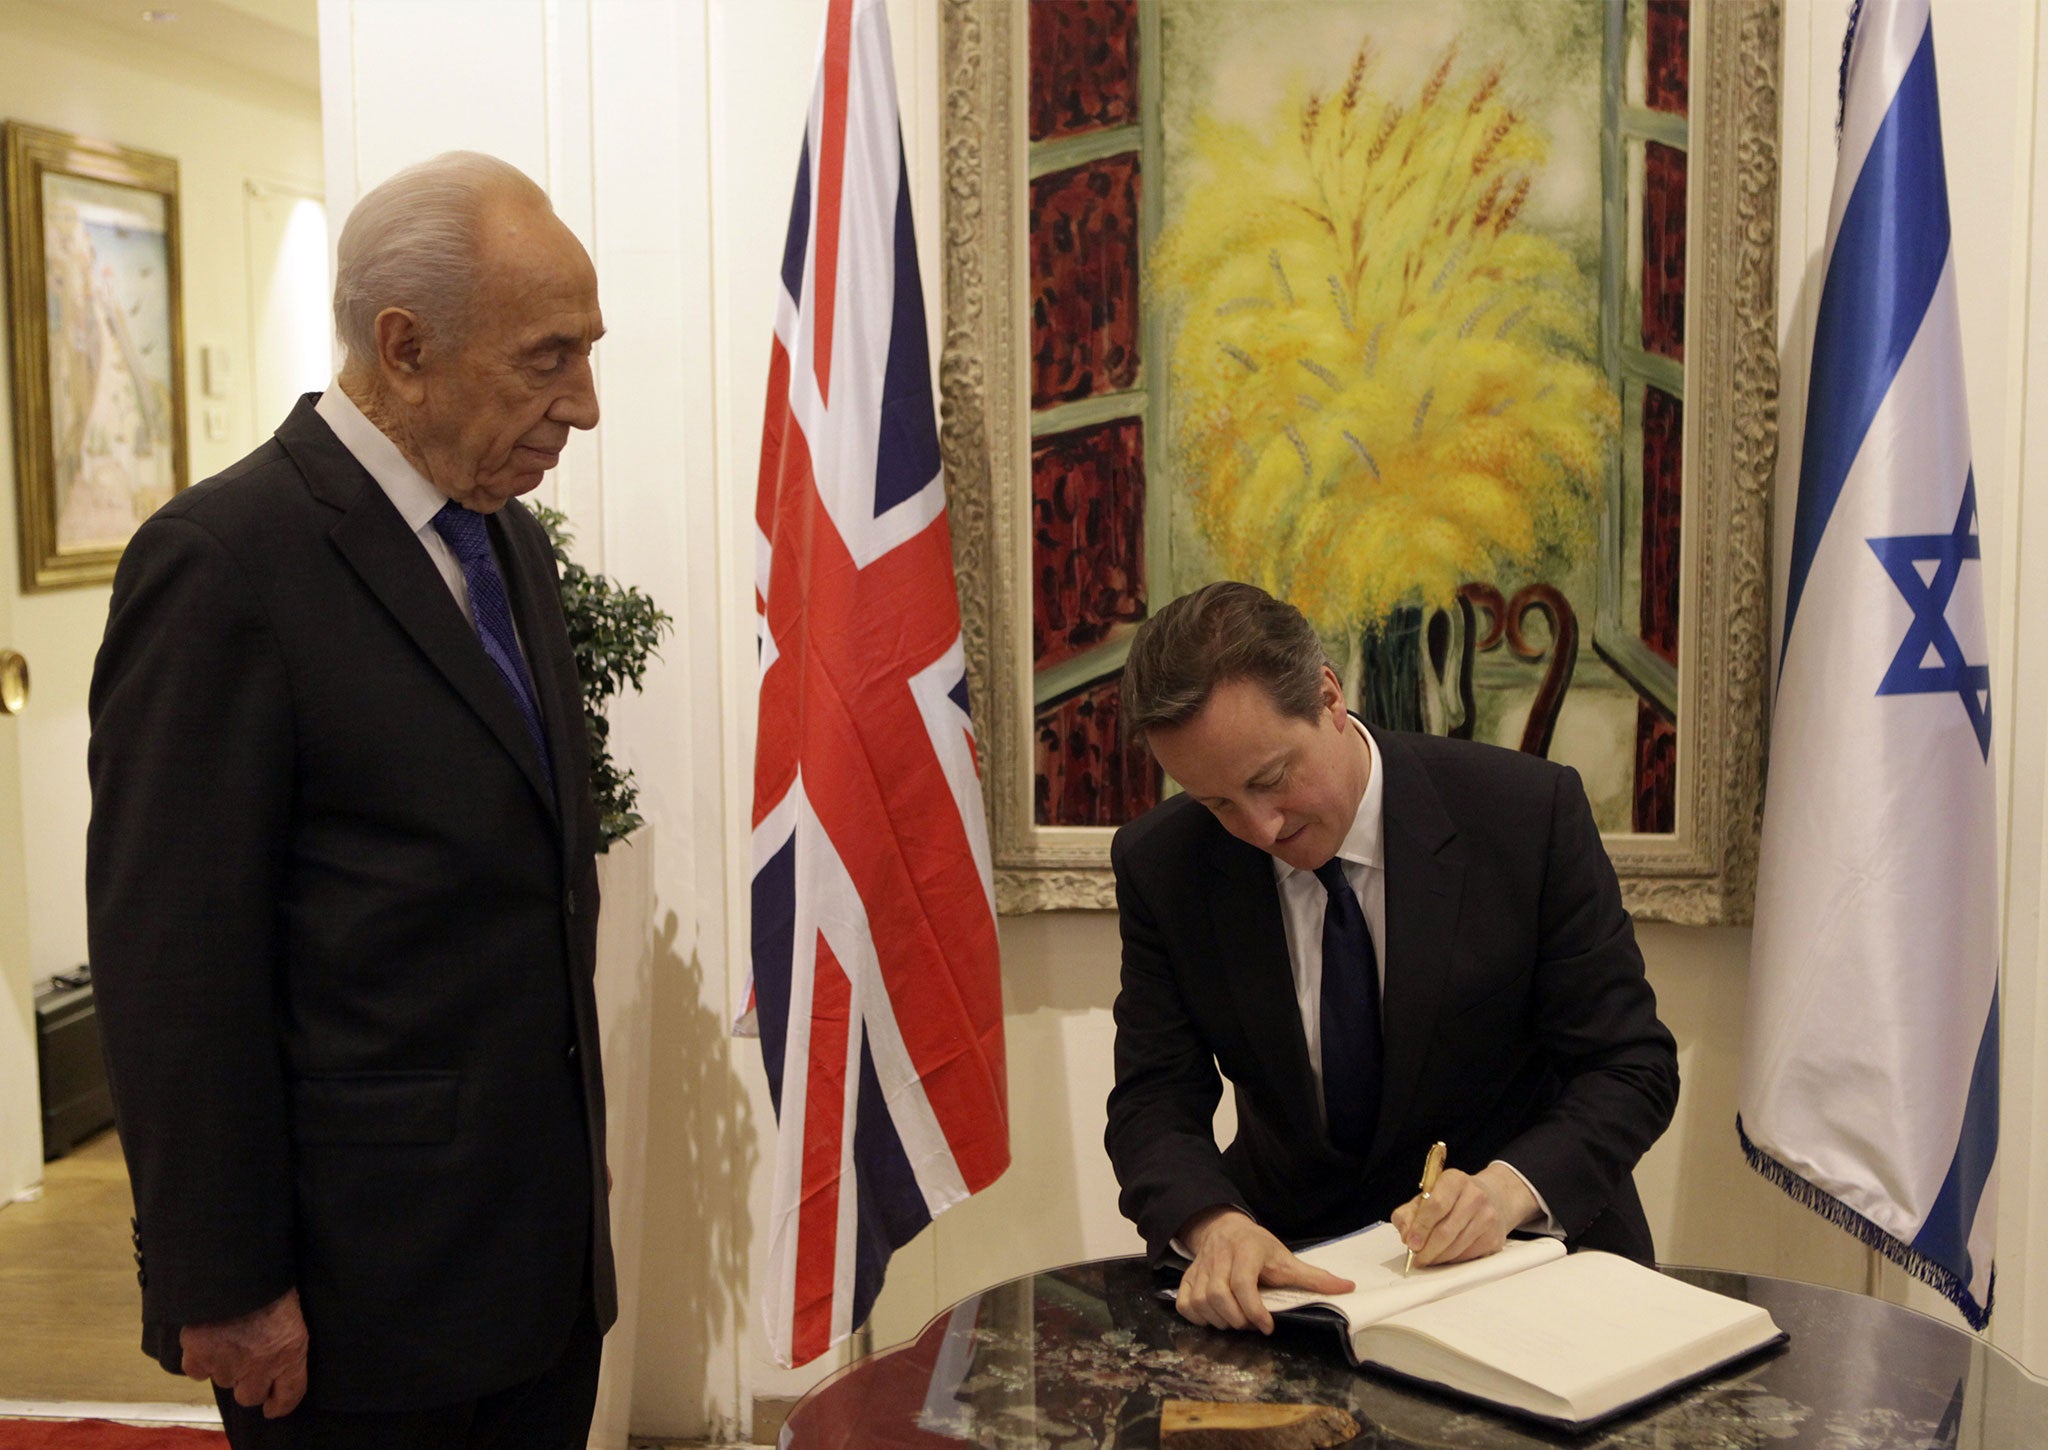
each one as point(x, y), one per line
point(216, 370)
point(216, 423)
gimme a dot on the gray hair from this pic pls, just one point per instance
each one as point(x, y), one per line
point(412, 242)
point(1221, 632)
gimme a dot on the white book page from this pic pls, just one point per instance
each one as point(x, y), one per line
point(1595, 1330)
point(1373, 1261)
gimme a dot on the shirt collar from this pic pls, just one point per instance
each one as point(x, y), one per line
point(1362, 843)
point(411, 492)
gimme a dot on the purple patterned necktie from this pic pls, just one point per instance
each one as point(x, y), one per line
point(467, 533)
point(1350, 1015)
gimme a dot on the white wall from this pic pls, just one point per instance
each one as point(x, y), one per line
point(668, 134)
point(2023, 603)
point(225, 127)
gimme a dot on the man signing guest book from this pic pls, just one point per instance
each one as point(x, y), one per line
point(1382, 940)
point(340, 870)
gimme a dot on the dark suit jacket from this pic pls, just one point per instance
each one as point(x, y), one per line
point(344, 938)
point(1517, 1021)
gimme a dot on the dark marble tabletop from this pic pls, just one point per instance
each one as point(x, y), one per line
point(1082, 1356)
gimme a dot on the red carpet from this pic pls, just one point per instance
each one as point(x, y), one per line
point(104, 1435)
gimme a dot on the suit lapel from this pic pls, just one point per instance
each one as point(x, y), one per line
point(1425, 881)
point(388, 558)
point(1251, 944)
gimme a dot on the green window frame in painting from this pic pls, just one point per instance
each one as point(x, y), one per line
point(1645, 144)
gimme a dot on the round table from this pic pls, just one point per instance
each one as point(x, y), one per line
point(1083, 1356)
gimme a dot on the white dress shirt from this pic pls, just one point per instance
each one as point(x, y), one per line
point(411, 492)
point(1302, 904)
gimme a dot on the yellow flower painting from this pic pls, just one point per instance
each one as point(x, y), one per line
point(1380, 305)
point(1384, 248)
point(1384, 380)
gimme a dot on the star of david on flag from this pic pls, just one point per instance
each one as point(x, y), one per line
point(1870, 1064)
point(1931, 662)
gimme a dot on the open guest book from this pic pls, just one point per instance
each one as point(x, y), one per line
point(1567, 1339)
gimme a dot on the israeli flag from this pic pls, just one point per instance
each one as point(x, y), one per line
point(1870, 1072)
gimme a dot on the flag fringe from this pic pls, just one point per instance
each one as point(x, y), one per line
point(1938, 1277)
point(1842, 91)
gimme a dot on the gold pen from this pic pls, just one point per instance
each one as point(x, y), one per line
point(1432, 1168)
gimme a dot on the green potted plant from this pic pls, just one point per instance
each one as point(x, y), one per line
point(613, 631)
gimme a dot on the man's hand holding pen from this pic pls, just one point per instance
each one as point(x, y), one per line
point(1465, 1216)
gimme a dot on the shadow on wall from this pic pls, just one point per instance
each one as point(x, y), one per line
point(702, 1150)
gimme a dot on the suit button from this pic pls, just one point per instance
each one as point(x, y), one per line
point(569, 901)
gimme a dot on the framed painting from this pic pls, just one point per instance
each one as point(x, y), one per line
point(1454, 324)
point(98, 345)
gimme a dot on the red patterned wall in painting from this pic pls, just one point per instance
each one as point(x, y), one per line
point(1665, 81)
point(1084, 281)
point(1663, 496)
point(1086, 775)
point(1656, 801)
point(1087, 537)
point(1664, 251)
point(1084, 66)
point(1666, 87)
point(1088, 581)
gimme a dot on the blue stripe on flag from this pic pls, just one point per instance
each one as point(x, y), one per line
point(1945, 1237)
point(799, 227)
point(774, 958)
point(1880, 279)
point(892, 1211)
point(907, 457)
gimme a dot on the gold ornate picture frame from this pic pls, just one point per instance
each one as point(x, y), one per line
point(95, 317)
point(1699, 870)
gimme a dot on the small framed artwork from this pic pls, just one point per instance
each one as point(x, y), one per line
point(93, 310)
point(1453, 324)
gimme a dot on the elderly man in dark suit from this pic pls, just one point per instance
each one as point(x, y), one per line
point(341, 868)
point(1382, 940)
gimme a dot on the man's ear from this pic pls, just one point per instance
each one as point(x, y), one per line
point(400, 353)
point(1333, 696)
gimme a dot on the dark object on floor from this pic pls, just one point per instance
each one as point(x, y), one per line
point(76, 1101)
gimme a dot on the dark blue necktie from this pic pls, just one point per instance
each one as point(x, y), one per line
point(468, 534)
point(1350, 1015)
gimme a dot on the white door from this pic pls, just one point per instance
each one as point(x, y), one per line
point(21, 1122)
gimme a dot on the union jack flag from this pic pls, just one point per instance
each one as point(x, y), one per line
point(876, 986)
